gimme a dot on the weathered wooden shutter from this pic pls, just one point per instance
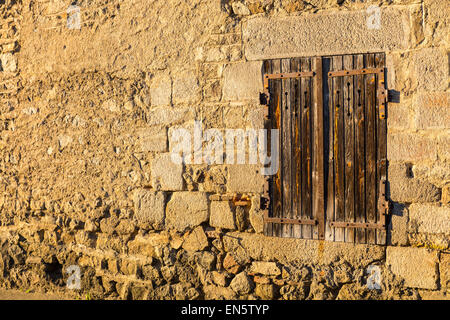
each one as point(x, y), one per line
point(331, 113)
point(295, 107)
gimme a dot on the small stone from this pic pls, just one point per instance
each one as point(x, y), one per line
point(241, 284)
point(206, 260)
point(219, 278)
point(64, 141)
point(240, 9)
point(196, 240)
point(111, 105)
point(230, 264)
point(265, 291)
point(261, 280)
point(222, 215)
point(8, 62)
point(265, 268)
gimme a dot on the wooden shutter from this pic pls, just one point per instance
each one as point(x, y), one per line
point(331, 113)
point(295, 107)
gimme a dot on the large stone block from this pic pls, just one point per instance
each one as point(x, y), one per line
point(404, 187)
point(222, 215)
point(242, 81)
point(186, 210)
point(166, 175)
point(166, 115)
point(444, 270)
point(437, 21)
point(399, 225)
point(185, 88)
point(431, 69)
point(153, 139)
point(400, 116)
point(305, 35)
point(443, 145)
point(430, 218)
point(245, 178)
point(149, 206)
point(411, 147)
point(417, 266)
point(258, 247)
point(161, 92)
point(432, 110)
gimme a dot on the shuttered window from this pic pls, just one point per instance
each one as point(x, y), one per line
point(331, 116)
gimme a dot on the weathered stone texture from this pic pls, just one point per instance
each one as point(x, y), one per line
point(254, 181)
point(444, 271)
point(186, 210)
point(265, 268)
point(153, 139)
point(196, 240)
point(416, 266)
point(405, 187)
point(399, 225)
point(166, 175)
point(430, 218)
point(432, 110)
point(286, 250)
point(222, 215)
point(149, 206)
point(431, 69)
point(186, 88)
point(242, 81)
point(407, 147)
point(346, 32)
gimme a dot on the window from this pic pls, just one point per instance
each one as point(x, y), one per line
point(331, 116)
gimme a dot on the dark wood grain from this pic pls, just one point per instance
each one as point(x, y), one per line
point(286, 164)
point(371, 147)
point(329, 147)
point(306, 149)
point(296, 148)
point(318, 182)
point(359, 125)
point(339, 155)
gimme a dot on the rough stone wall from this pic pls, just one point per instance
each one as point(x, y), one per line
point(86, 122)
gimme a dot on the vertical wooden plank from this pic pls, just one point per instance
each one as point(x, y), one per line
point(306, 147)
point(278, 100)
point(267, 70)
point(382, 144)
point(296, 149)
point(359, 125)
point(318, 152)
point(371, 153)
point(328, 147)
point(349, 146)
point(339, 155)
point(286, 148)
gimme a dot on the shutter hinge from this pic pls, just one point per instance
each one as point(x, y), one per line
point(383, 203)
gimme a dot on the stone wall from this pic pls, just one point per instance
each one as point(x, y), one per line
point(87, 118)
